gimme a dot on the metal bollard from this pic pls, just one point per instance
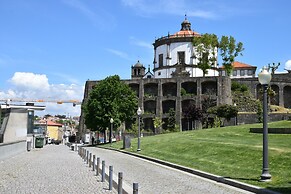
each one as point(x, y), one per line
point(90, 160)
point(84, 154)
point(87, 158)
point(98, 166)
point(135, 188)
point(110, 177)
point(103, 171)
point(93, 165)
point(120, 177)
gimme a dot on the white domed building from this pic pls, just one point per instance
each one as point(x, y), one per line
point(175, 55)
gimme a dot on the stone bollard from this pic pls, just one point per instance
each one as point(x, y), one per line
point(98, 166)
point(135, 188)
point(94, 163)
point(90, 160)
point(120, 177)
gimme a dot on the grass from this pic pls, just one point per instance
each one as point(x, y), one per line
point(231, 152)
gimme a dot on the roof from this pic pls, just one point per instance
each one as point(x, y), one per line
point(138, 64)
point(184, 33)
point(239, 65)
point(51, 123)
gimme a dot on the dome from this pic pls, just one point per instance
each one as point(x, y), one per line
point(186, 25)
point(138, 64)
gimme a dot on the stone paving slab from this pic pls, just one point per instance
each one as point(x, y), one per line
point(155, 178)
point(51, 169)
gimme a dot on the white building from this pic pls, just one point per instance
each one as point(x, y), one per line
point(175, 55)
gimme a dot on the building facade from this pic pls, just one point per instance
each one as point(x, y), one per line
point(176, 81)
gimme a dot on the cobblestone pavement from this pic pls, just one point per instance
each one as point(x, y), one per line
point(155, 178)
point(52, 169)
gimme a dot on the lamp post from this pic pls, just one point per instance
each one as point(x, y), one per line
point(111, 128)
point(235, 119)
point(264, 79)
point(138, 140)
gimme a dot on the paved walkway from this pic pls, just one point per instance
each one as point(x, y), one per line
point(52, 169)
point(154, 178)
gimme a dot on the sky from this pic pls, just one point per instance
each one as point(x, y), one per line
point(49, 49)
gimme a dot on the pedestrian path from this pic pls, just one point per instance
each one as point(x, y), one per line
point(154, 178)
point(51, 169)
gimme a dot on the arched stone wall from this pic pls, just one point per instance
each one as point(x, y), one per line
point(275, 99)
point(167, 105)
point(151, 89)
point(135, 87)
point(209, 87)
point(190, 87)
point(287, 96)
point(150, 106)
point(169, 89)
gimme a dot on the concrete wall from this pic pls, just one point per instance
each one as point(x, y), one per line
point(16, 128)
point(11, 149)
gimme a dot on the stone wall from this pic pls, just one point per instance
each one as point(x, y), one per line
point(11, 149)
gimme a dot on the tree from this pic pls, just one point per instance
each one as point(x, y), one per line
point(158, 122)
point(110, 98)
point(229, 51)
point(206, 49)
point(225, 111)
point(172, 120)
point(193, 113)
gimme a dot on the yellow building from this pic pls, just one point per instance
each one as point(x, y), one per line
point(54, 130)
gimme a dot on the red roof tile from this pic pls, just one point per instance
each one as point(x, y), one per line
point(240, 65)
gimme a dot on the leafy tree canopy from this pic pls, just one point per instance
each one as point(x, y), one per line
point(192, 112)
point(224, 111)
point(229, 50)
point(110, 98)
point(206, 47)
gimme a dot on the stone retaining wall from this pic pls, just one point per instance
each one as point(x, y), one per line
point(272, 130)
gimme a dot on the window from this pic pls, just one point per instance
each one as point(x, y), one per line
point(250, 72)
point(159, 73)
point(181, 57)
point(234, 73)
point(161, 60)
point(242, 72)
point(223, 73)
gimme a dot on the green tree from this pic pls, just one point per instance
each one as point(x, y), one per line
point(110, 98)
point(193, 113)
point(158, 122)
point(225, 111)
point(172, 120)
point(229, 50)
point(206, 48)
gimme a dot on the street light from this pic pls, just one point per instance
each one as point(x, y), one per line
point(111, 128)
point(138, 140)
point(264, 79)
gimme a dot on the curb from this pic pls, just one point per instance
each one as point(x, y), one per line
point(220, 179)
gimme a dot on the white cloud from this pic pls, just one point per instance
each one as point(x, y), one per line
point(28, 86)
point(30, 81)
point(288, 65)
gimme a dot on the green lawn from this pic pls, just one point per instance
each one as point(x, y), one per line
point(229, 151)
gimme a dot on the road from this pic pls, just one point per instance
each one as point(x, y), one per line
point(155, 178)
point(52, 169)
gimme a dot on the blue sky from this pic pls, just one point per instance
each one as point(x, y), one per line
point(48, 49)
